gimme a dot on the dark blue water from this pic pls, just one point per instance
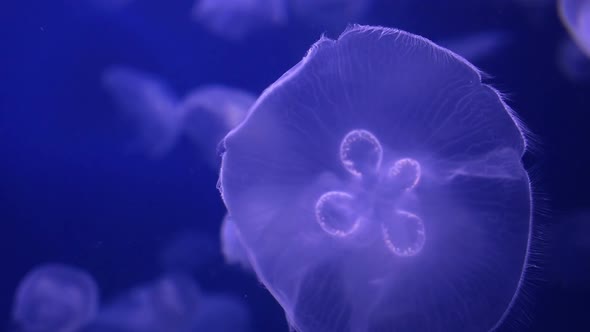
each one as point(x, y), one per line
point(75, 189)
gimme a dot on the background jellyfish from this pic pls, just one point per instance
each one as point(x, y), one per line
point(235, 19)
point(231, 244)
point(167, 304)
point(478, 46)
point(55, 298)
point(575, 15)
point(205, 115)
point(210, 113)
point(378, 186)
point(148, 102)
point(573, 64)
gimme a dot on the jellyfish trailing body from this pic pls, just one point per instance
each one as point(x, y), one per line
point(166, 304)
point(205, 115)
point(575, 16)
point(231, 245)
point(236, 19)
point(378, 186)
point(55, 298)
point(149, 102)
point(573, 64)
point(478, 46)
point(210, 112)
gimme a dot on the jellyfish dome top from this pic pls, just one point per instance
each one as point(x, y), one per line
point(55, 298)
point(575, 15)
point(378, 186)
point(167, 304)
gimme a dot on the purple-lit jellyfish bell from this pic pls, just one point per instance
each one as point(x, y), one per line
point(575, 16)
point(378, 186)
point(55, 298)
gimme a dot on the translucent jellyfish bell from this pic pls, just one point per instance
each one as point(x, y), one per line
point(478, 46)
point(55, 298)
point(378, 186)
point(205, 115)
point(210, 112)
point(149, 103)
point(167, 304)
point(235, 19)
point(232, 246)
point(575, 15)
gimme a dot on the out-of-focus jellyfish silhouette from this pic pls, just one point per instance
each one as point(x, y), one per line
point(221, 313)
point(235, 19)
point(188, 251)
point(204, 116)
point(378, 186)
point(169, 304)
point(232, 246)
point(478, 46)
point(575, 15)
point(210, 113)
point(573, 64)
point(148, 102)
point(55, 298)
point(330, 14)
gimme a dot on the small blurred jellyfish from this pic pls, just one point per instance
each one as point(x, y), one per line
point(148, 102)
point(210, 112)
point(55, 298)
point(221, 313)
point(235, 19)
point(330, 14)
point(479, 46)
point(232, 246)
point(575, 16)
point(168, 304)
point(378, 186)
point(188, 252)
point(204, 116)
point(573, 64)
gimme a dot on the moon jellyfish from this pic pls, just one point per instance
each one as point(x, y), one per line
point(378, 186)
point(232, 246)
point(235, 19)
point(167, 304)
point(205, 115)
point(55, 298)
point(221, 313)
point(149, 103)
point(575, 16)
point(478, 46)
point(574, 64)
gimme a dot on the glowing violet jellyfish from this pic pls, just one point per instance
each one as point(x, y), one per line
point(167, 304)
point(575, 15)
point(232, 246)
point(55, 298)
point(235, 19)
point(378, 186)
point(205, 115)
